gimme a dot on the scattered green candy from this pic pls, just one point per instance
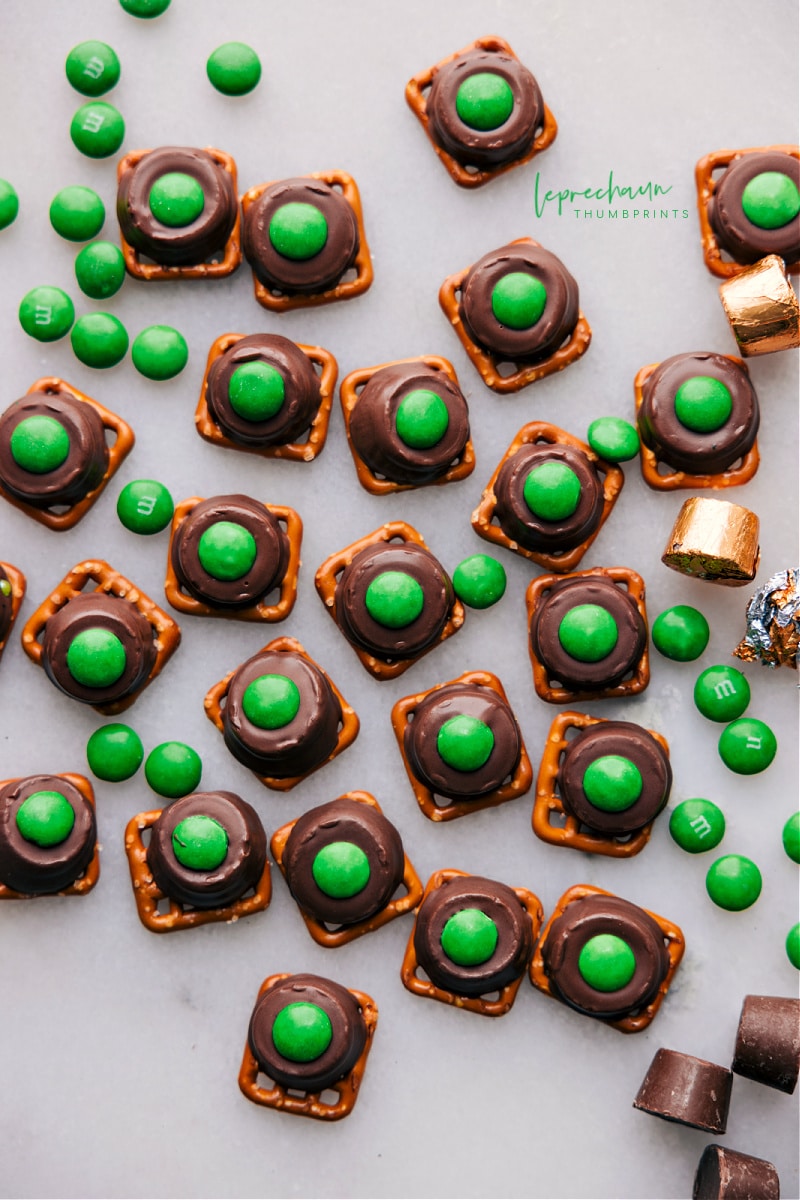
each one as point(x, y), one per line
point(176, 199)
point(114, 752)
point(791, 837)
point(421, 419)
point(793, 945)
point(159, 352)
point(771, 200)
point(39, 444)
point(588, 632)
point(606, 963)
point(302, 1032)
point(46, 313)
point(256, 391)
point(146, 9)
point(199, 843)
point(747, 746)
point(613, 439)
point(233, 69)
point(733, 882)
point(721, 693)
point(341, 870)
point(45, 818)
point(680, 633)
point(77, 213)
point(612, 783)
point(298, 231)
point(552, 491)
point(394, 599)
point(226, 550)
point(99, 340)
point(465, 743)
point(97, 129)
point(173, 769)
point(100, 270)
point(469, 937)
point(145, 506)
point(484, 101)
point(518, 300)
point(9, 204)
point(96, 658)
point(697, 825)
point(479, 581)
point(92, 68)
point(271, 701)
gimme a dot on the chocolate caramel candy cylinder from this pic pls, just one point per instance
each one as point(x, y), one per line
point(614, 778)
point(263, 391)
point(343, 862)
point(605, 956)
point(549, 498)
point(307, 1032)
point(687, 1090)
point(47, 834)
point(755, 209)
point(768, 1041)
point(699, 412)
point(207, 849)
point(714, 540)
point(519, 302)
point(464, 741)
point(484, 108)
point(300, 236)
point(724, 1174)
point(230, 551)
point(52, 449)
point(472, 936)
point(410, 423)
point(281, 717)
point(762, 308)
point(177, 206)
point(98, 648)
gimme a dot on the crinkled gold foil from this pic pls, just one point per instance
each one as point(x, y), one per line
point(714, 540)
point(762, 308)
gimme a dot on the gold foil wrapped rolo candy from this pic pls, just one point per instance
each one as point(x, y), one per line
point(714, 540)
point(762, 308)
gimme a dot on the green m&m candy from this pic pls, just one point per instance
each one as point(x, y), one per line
point(302, 1032)
point(479, 581)
point(552, 491)
point(680, 633)
point(341, 870)
point(588, 632)
point(484, 101)
point(147, 9)
point(114, 752)
point(92, 68)
point(96, 658)
point(394, 599)
point(145, 506)
point(173, 769)
point(469, 938)
point(100, 270)
point(271, 701)
point(518, 300)
point(612, 783)
point(226, 550)
point(697, 825)
point(45, 818)
point(176, 199)
point(771, 200)
point(465, 743)
point(200, 843)
point(298, 230)
point(159, 352)
point(256, 391)
point(97, 129)
point(46, 313)
point(747, 746)
point(233, 69)
point(703, 404)
point(606, 963)
point(793, 945)
point(99, 340)
point(791, 837)
point(77, 213)
point(39, 444)
point(721, 693)
point(733, 882)
point(613, 439)
point(9, 204)
point(421, 419)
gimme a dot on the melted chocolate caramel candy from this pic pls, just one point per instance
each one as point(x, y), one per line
point(755, 209)
point(263, 391)
point(519, 303)
point(687, 1090)
point(230, 552)
point(52, 449)
point(393, 600)
point(768, 1041)
point(343, 862)
point(177, 206)
point(724, 1174)
point(464, 741)
point(472, 936)
point(614, 778)
point(300, 236)
point(588, 633)
point(410, 423)
point(484, 108)
point(6, 604)
point(605, 957)
point(281, 717)
point(549, 497)
point(699, 412)
point(307, 1032)
point(47, 834)
point(207, 849)
point(98, 648)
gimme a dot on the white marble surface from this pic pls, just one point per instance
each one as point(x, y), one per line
point(120, 1049)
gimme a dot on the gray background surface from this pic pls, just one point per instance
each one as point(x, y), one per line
point(119, 1050)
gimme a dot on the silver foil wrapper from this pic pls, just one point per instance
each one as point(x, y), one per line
point(773, 622)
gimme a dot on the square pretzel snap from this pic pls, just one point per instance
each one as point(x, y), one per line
point(12, 592)
point(88, 877)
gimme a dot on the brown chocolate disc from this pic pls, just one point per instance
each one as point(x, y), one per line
point(38, 870)
point(744, 241)
point(344, 821)
point(514, 935)
point(688, 1090)
point(347, 1024)
point(629, 741)
point(293, 275)
point(522, 525)
point(589, 917)
point(570, 672)
point(98, 610)
point(181, 245)
point(267, 570)
point(302, 396)
point(86, 461)
point(724, 1174)
point(373, 424)
point(491, 147)
point(304, 742)
point(558, 320)
point(472, 700)
point(768, 1041)
point(239, 871)
point(691, 450)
